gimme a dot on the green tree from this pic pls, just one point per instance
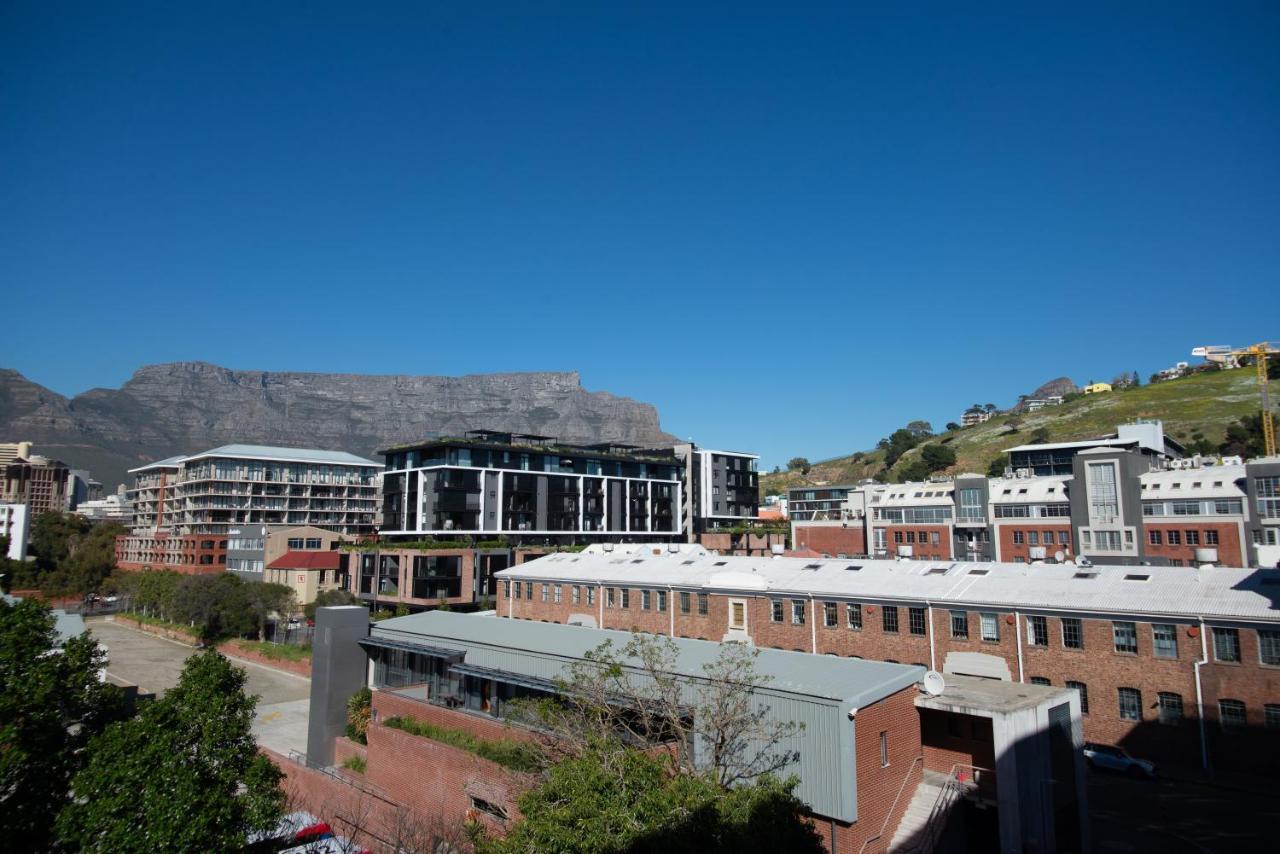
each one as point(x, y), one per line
point(1244, 438)
point(267, 598)
point(952, 426)
point(50, 704)
point(53, 536)
point(997, 466)
point(326, 599)
point(920, 429)
point(914, 470)
point(896, 444)
point(185, 775)
point(937, 457)
point(610, 800)
point(799, 463)
point(1040, 435)
point(91, 558)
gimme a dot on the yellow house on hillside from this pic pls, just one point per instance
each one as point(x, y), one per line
point(1097, 388)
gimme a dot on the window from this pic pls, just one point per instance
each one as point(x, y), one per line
point(1271, 716)
point(853, 615)
point(1210, 538)
point(829, 614)
point(1193, 538)
point(1175, 538)
point(1164, 639)
point(1072, 633)
point(1033, 538)
point(1268, 490)
point(1170, 708)
point(313, 542)
point(1154, 538)
point(557, 594)
point(685, 602)
point(506, 589)
point(1103, 500)
point(1232, 715)
point(546, 589)
point(1269, 647)
point(488, 808)
point(990, 624)
point(662, 600)
point(897, 536)
point(295, 542)
point(1107, 540)
point(573, 589)
point(797, 612)
point(960, 624)
point(1126, 636)
point(775, 610)
point(915, 621)
point(528, 590)
point(1130, 704)
point(702, 604)
point(626, 597)
point(1018, 538)
point(1037, 631)
point(934, 538)
point(889, 616)
point(1040, 680)
point(1083, 691)
point(737, 614)
point(591, 596)
point(1226, 644)
point(644, 600)
point(609, 597)
point(884, 750)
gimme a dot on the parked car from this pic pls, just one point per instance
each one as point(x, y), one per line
point(295, 831)
point(1113, 758)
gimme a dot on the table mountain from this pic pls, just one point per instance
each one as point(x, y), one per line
point(192, 406)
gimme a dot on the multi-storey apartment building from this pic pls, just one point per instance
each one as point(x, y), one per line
point(1195, 515)
point(1146, 438)
point(15, 524)
point(187, 507)
point(1151, 652)
point(1262, 487)
point(819, 503)
point(38, 482)
point(913, 520)
point(721, 488)
point(1031, 518)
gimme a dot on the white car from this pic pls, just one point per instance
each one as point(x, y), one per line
point(1113, 758)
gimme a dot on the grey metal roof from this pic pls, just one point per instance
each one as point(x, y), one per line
point(1187, 592)
point(167, 462)
point(298, 455)
point(855, 681)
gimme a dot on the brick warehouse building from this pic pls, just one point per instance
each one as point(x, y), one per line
point(1180, 665)
point(874, 744)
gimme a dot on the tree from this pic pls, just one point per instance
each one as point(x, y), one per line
point(920, 429)
point(1244, 438)
point(951, 425)
point(720, 710)
point(937, 457)
point(53, 536)
point(1040, 435)
point(989, 407)
point(267, 598)
point(1135, 380)
point(51, 702)
point(914, 470)
point(326, 599)
point(184, 775)
point(898, 443)
point(91, 558)
point(628, 801)
point(798, 463)
point(997, 466)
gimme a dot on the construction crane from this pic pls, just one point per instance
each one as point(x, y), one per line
point(1229, 357)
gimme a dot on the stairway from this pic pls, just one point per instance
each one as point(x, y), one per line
point(909, 835)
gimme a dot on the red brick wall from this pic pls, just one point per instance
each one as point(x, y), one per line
point(390, 705)
point(832, 539)
point(1230, 549)
point(945, 746)
point(879, 787)
point(925, 551)
point(1009, 550)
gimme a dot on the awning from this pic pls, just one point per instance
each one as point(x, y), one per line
point(535, 682)
point(375, 642)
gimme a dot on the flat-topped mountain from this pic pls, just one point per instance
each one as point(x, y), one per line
point(185, 407)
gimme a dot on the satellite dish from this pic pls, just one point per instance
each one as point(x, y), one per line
point(933, 683)
point(1059, 555)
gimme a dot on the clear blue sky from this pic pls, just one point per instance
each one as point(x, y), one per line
point(792, 229)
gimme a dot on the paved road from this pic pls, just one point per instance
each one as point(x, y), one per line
point(154, 664)
point(1173, 816)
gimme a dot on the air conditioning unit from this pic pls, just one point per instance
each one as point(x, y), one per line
point(1206, 556)
point(1036, 552)
point(905, 551)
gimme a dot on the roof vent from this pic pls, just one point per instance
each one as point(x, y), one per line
point(721, 563)
point(853, 567)
point(686, 563)
point(638, 560)
point(938, 570)
point(1085, 575)
point(812, 566)
point(1137, 577)
point(979, 571)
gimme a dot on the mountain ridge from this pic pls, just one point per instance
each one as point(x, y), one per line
point(183, 407)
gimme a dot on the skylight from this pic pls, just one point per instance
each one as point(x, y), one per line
point(1085, 575)
point(812, 566)
point(938, 570)
point(853, 567)
point(1137, 577)
point(979, 571)
point(686, 563)
point(721, 562)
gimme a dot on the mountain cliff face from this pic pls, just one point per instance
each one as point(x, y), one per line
point(191, 406)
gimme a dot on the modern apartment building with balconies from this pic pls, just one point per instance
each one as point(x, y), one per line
point(186, 507)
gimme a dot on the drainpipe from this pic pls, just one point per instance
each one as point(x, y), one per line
point(933, 660)
point(1017, 633)
point(671, 610)
point(600, 602)
point(1204, 659)
point(511, 600)
point(813, 624)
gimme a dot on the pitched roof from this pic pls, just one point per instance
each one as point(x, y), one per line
point(1182, 592)
point(305, 560)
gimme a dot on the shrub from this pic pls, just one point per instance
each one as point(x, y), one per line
point(359, 710)
point(356, 763)
point(508, 753)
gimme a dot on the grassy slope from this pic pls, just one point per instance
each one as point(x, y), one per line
point(1204, 402)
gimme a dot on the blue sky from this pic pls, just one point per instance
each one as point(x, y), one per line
point(791, 228)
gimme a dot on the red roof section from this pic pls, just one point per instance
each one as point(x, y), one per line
point(305, 560)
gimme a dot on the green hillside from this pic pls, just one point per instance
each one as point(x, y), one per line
point(1204, 403)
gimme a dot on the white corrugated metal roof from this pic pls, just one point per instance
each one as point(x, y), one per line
point(1050, 489)
point(292, 455)
point(1206, 482)
point(1088, 443)
point(1187, 592)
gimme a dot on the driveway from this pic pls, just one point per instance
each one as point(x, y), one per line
point(154, 665)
